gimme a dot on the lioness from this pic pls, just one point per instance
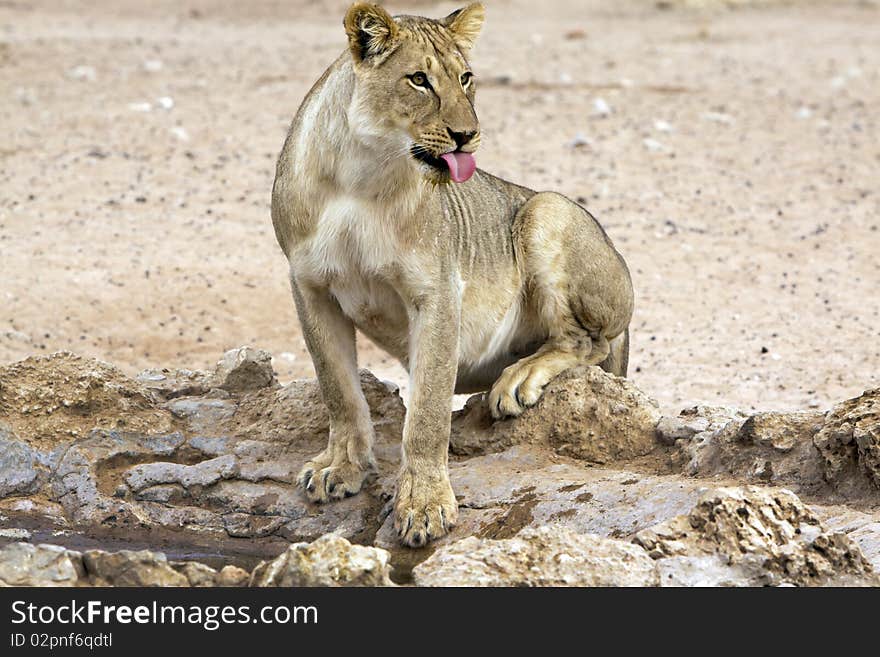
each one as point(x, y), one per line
point(470, 281)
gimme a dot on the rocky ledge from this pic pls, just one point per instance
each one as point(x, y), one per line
point(186, 478)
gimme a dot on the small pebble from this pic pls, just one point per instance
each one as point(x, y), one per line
point(86, 73)
point(718, 117)
point(601, 107)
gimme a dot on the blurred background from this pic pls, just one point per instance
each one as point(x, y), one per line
point(729, 148)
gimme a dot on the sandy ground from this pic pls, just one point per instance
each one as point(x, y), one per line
point(732, 155)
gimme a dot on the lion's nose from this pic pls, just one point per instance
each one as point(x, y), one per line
point(461, 138)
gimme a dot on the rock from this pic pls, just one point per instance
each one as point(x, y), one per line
point(718, 117)
point(75, 482)
point(197, 574)
point(328, 561)
point(83, 72)
point(244, 525)
point(180, 132)
point(16, 533)
point(129, 568)
point(18, 465)
point(357, 521)
point(601, 107)
point(244, 370)
point(257, 443)
point(851, 437)
point(579, 141)
point(202, 576)
point(769, 447)
point(37, 512)
point(671, 429)
point(695, 421)
point(867, 536)
point(203, 414)
point(174, 383)
point(76, 489)
point(584, 412)
point(696, 426)
point(653, 145)
point(23, 564)
point(236, 496)
point(860, 526)
point(164, 494)
point(211, 446)
point(528, 486)
point(768, 534)
point(541, 556)
point(232, 576)
point(262, 461)
point(731, 522)
point(710, 418)
point(781, 432)
point(200, 521)
point(202, 474)
point(707, 570)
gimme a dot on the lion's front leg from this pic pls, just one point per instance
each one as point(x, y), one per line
point(425, 506)
point(341, 469)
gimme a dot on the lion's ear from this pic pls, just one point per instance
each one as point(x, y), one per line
point(371, 31)
point(465, 25)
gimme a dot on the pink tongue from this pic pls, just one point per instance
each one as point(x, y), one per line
point(461, 165)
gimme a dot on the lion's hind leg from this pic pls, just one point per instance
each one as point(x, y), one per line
point(578, 290)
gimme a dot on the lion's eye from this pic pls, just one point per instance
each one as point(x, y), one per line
point(419, 79)
point(466, 79)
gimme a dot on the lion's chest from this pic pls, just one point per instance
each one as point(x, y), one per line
point(355, 252)
point(351, 237)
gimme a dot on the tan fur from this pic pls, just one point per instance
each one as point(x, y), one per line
point(472, 286)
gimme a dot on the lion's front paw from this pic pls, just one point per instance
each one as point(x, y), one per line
point(519, 386)
point(424, 509)
point(323, 482)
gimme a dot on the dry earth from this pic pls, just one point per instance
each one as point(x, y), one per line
point(732, 154)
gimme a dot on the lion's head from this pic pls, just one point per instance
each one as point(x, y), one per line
point(415, 89)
